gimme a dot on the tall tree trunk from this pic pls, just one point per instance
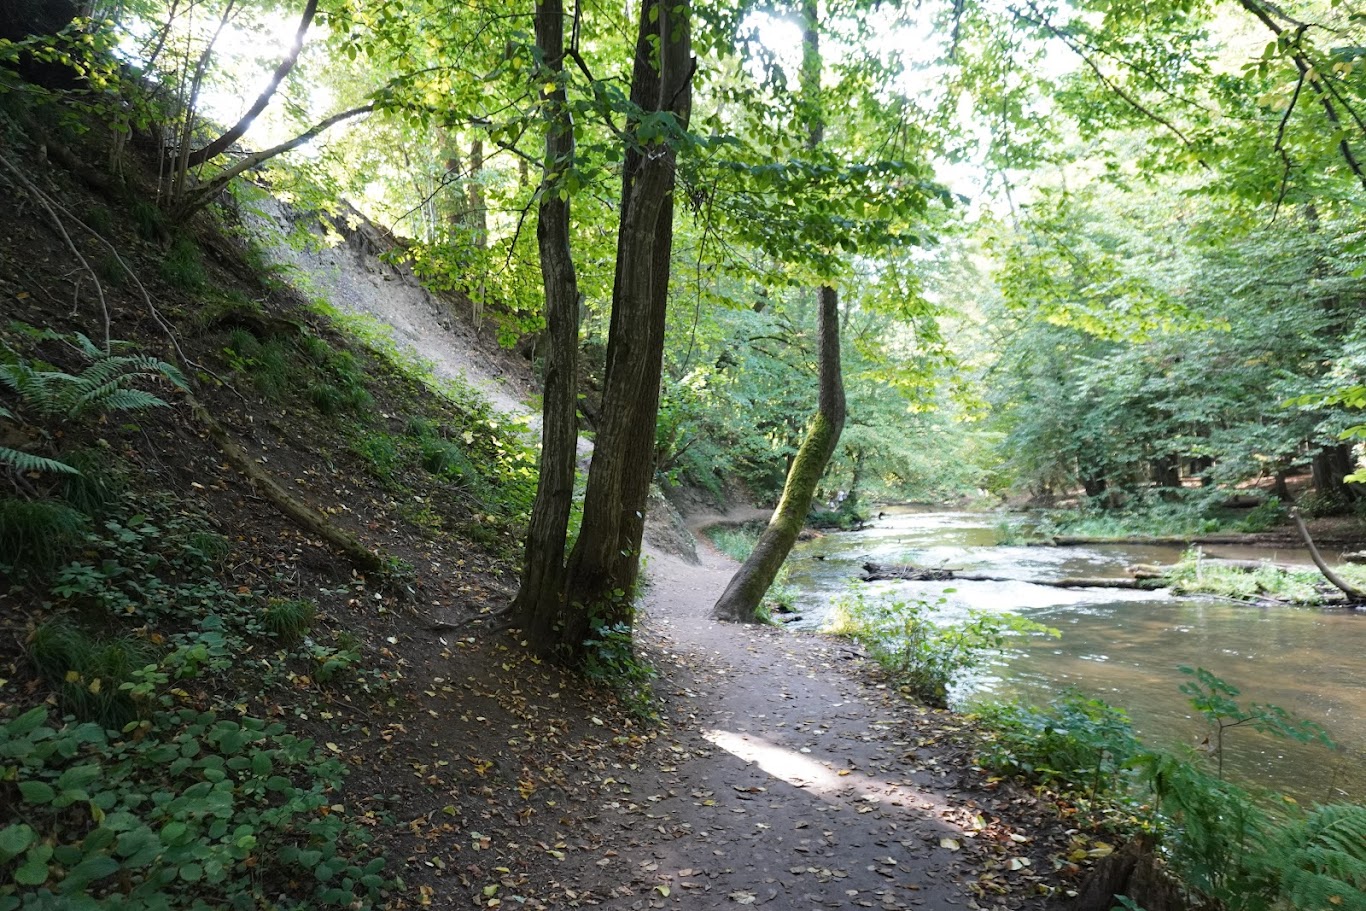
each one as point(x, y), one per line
point(741, 599)
point(606, 560)
point(596, 583)
point(479, 216)
point(539, 599)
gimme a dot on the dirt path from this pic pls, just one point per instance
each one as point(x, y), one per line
point(790, 779)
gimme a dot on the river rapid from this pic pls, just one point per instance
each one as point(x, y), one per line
point(1125, 646)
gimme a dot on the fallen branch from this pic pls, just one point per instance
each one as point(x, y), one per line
point(1354, 594)
point(303, 515)
point(1173, 540)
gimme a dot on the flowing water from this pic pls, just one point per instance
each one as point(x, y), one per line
point(1126, 646)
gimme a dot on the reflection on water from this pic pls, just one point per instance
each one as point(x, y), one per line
point(1126, 647)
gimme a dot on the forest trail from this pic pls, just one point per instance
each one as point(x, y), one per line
point(792, 779)
point(782, 774)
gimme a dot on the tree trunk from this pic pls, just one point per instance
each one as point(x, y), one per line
point(479, 219)
point(1166, 471)
point(541, 594)
point(1331, 466)
point(741, 599)
point(603, 567)
point(239, 129)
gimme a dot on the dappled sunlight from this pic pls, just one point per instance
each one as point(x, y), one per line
point(820, 778)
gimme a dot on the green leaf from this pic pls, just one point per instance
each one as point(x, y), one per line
point(87, 871)
point(14, 840)
point(33, 873)
point(26, 722)
point(37, 791)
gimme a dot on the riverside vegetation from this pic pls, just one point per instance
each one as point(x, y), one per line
point(1224, 844)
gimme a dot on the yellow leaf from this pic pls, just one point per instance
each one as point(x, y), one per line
point(662, 890)
point(1101, 850)
point(549, 88)
point(95, 686)
point(72, 676)
point(950, 843)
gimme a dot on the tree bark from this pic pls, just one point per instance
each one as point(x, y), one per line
point(595, 585)
point(605, 564)
point(223, 142)
point(1331, 466)
point(1354, 594)
point(539, 599)
point(479, 220)
point(740, 601)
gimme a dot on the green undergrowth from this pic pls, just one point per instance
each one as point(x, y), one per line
point(1189, 516)
point(1196, 575)
point(144, 779)
point(142, 789)
point(923, 654)
point(1229, 847)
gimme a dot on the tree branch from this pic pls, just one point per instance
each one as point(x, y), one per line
point(204, 193)
point(221, 144)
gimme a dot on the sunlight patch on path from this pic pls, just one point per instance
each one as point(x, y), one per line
point(818, 778)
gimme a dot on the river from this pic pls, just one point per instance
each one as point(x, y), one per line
point(1126, 647)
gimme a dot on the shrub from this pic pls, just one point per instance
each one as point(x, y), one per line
point(923, 656)
point(1074, 740)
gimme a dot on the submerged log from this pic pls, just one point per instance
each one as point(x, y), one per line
point(877, 572)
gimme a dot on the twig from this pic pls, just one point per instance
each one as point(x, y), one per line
point(42, 200)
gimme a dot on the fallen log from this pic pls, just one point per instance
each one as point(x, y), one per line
point(878, 572)
point(1169, 540)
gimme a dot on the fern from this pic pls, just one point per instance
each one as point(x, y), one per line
point(1325, 860)
point(24, 462)
point(107, 384)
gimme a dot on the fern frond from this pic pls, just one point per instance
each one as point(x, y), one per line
point(1325, 859)
point(23, 462)
point(129, 400)
point(89, 348)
